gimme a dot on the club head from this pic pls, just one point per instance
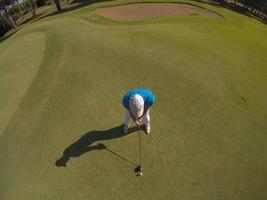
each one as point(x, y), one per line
point(137, 169)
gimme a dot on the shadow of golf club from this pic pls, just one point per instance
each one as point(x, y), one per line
point(119, 156)
point(85, 144)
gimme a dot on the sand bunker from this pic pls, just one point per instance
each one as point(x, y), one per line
point(142, 11)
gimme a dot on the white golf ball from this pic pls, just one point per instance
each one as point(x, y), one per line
point(141, 173)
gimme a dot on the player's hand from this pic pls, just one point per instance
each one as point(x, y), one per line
point(137, 122)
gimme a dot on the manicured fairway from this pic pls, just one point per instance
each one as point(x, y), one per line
point(61, 83)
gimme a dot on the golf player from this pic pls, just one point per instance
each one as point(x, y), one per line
point(137, 103)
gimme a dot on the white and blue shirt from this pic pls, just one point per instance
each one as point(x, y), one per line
point(147, 95)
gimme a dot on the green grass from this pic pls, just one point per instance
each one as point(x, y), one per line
point(64, 76)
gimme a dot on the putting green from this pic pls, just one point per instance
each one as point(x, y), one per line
point(62, 79)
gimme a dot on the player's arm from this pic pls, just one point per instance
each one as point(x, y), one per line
point(144, 112)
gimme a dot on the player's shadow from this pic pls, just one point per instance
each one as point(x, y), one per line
point(85, 144)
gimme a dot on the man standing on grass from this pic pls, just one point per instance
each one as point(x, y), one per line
point(137, 103)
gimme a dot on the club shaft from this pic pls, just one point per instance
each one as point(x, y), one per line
point(140, 153)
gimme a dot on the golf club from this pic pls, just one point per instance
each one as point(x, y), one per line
point(138, 169)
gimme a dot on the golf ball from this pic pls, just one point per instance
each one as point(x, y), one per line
point(141, 173)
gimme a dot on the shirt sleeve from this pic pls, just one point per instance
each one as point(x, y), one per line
point(125, 102)
point(150, 101)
